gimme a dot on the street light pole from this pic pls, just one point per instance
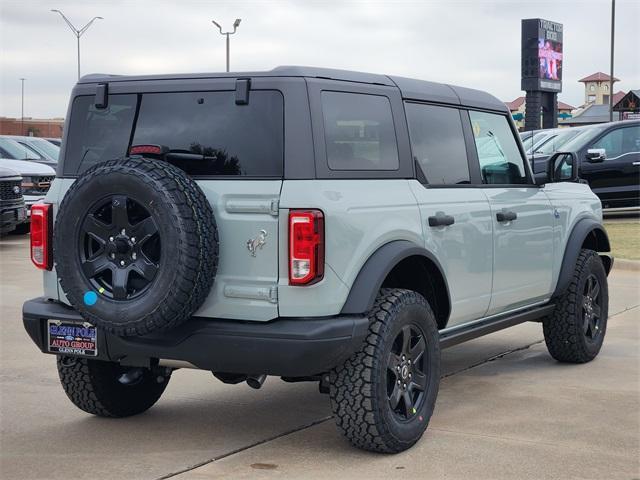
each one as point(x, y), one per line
point(77, 32)
point(613, 29)
point(235, 27)
point(22, 108)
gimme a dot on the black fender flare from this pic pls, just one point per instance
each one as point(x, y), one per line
point(581, 230)
point(367, 284)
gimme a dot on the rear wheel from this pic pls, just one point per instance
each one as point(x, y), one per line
point(384, 395)
point(575, 331)
point(107, 389)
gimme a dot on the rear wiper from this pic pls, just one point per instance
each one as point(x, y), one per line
point(186, 156)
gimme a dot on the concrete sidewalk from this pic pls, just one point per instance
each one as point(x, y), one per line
point(522, 415)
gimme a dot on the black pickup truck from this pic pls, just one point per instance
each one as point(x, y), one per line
point(12, 208)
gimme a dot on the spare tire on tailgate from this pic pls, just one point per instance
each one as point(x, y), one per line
point(135, 246)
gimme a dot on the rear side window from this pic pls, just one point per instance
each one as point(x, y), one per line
point(204, 133)
point(359, 132)
point(498, 153)
point(437, 143)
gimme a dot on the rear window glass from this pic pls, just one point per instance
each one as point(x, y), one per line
point(96, 135)
point(359, 132)
point(204, 133)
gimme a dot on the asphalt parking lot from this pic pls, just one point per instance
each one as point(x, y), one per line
point(505, 410)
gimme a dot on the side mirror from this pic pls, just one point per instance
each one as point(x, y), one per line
point(562, 167)
point(596, 155)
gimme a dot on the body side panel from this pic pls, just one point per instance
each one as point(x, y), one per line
point(360, 217)
point(523, 248)
point(572, 202)
point(464, 249)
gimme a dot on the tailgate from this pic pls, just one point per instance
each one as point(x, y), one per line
point(246, 285)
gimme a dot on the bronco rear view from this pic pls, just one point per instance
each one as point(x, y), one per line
point(312, 224)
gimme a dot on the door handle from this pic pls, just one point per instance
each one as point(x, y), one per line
point(636, 164)
point(506, 216)
point(441, 220)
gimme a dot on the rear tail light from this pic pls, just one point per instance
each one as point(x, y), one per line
point(41, 231)
point(306, 247)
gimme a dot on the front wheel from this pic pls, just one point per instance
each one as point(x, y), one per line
point(384, 395)
point(575, 331)
point(107, 389)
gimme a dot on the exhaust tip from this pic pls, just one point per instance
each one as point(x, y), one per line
point(256, 381)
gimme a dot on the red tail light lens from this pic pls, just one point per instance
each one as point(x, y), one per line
point(306, 247)
point(40, 235)
point(148, 149)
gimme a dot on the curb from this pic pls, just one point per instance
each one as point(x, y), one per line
point(629, 265)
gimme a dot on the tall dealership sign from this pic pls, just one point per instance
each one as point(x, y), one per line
point(542, 59)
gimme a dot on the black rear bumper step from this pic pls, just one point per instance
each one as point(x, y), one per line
point(291, 347)
point(456, 335)
point(285, 346)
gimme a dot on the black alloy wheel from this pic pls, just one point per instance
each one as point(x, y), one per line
point(120, 247)
point(406, 377)
point(591, 308)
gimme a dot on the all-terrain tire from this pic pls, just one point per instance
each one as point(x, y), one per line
point(570, 334)
point(359, 389)
point(188, 239)
point(93, 386)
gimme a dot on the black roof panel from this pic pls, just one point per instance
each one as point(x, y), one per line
point(285, 71)
point(427, 91)
point(410, 88)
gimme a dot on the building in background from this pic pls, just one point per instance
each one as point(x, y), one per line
point(595, 108)
point(33, 127)
point(518, 110)
point(628, 105)
point(596, 88)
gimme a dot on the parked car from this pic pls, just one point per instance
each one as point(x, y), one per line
point(13, 150)
point(36, 180)
point(46, 149)
point(13, 211)
point(56, 141)
point(555, 142)
point(609, 158)
point(524, 136)
point(313, 224)
point(537, 139)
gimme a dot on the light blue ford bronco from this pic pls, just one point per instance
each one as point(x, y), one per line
point(306, 223)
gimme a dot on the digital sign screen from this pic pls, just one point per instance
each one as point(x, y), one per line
point(550, 57)
point(542, 55)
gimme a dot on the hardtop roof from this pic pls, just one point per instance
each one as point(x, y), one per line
point(411, 89)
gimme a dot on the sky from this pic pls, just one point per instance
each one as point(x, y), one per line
point(470, 43)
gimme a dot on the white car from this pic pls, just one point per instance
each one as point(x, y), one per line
point(36, 179)
point(47, 151)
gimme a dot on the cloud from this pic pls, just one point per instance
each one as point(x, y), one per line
point(469, 43)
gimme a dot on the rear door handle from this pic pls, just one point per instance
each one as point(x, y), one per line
point(636, 164)
point(441, 220)
point(506, 216)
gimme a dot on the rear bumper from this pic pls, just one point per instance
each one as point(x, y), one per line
point(285, 346)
